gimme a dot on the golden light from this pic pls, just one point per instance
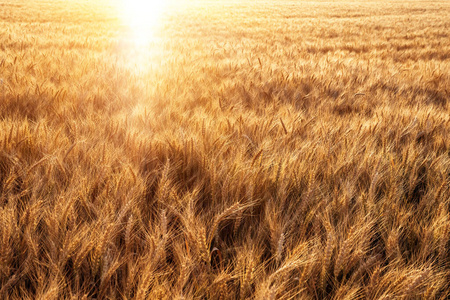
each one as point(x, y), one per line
point(143, 18)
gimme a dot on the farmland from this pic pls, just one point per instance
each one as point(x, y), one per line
point(246, 149)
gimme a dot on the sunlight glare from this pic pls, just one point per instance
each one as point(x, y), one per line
point(143, 17)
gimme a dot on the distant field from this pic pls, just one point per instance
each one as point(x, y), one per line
point(247, 150)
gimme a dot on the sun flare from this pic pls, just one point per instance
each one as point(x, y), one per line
point(143, 18)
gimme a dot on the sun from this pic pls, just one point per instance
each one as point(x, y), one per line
point(143, 18)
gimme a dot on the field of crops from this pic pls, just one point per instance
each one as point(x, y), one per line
point(245, 150)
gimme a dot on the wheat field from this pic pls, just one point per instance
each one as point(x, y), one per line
point(251, 150)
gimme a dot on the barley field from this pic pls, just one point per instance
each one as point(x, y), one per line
point(245, 150)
